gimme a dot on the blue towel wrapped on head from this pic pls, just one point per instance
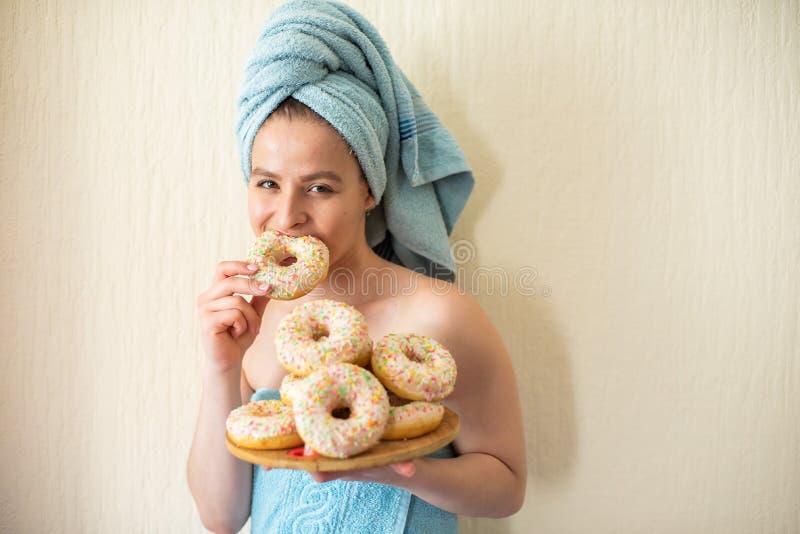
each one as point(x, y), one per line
point(330, 58)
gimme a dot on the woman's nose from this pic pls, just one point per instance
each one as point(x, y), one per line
point(290, 212)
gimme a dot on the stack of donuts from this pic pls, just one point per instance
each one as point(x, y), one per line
point(343, 394)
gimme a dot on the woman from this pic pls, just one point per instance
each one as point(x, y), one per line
point(312, 174)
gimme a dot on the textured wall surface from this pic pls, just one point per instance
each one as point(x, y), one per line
point(638, 188)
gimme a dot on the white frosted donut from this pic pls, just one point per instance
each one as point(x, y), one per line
point(414, 367)
point(266, 424)
point(321, 332)
point(340, 385)
point(289, 387)
point(270, 250)
point(412, 420)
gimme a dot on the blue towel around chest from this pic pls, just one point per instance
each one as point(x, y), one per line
point(286, 500)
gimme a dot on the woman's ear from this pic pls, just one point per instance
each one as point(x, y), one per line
point(369, 200)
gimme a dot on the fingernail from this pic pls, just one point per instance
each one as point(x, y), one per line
point(252, 267)
point(262, 287)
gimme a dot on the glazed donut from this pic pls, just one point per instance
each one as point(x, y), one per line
point(319, 333)
point(414, 367)
point(288, 282)
point(266, 424)
point(340, 385)
point(412, 420)
point(289, 387)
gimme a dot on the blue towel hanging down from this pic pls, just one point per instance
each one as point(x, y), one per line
point(330, 58)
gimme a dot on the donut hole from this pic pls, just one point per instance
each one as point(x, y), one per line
point(416, 356)
point(320, 332)
point(341, 412)
point(285, 260)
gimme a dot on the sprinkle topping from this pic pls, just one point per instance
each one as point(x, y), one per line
point(319, 333)
point(414, 367)
point(288, 281)
point(260, 420)
point(336, 386)
point(414, 411)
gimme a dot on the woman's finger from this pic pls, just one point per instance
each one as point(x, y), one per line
point(237, 302)
point(404, 469)
point(219, 321)
point(236, 284)
point(230, 268)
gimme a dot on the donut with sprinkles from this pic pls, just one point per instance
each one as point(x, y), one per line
point(414, 367)
point(332, 388)
point(289, 387)
point(321, 332)
point(412, 420)
point(272, 252)
point(265, 424)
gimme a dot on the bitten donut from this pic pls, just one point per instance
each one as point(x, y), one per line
point(340, 385)
point(266, 424)
point(413, 420)
point(319, 333)
point(289, 388)
point(414, 367)
point(288, 282)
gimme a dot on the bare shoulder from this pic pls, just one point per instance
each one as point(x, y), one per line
point(454, 318)
point(452, 302)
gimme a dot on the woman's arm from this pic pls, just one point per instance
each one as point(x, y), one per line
point(488, 478)
point(220, 483)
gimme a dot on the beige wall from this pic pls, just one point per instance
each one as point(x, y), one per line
point(637, 169)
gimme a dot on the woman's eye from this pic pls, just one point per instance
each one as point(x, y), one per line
point(268, 184)
point(319, 188)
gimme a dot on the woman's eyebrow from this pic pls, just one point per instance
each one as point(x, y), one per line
point(258, 171)
point(330, 175)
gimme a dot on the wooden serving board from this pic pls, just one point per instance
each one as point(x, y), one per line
point(384, 453)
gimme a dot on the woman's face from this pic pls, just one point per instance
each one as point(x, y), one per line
point(304, 181)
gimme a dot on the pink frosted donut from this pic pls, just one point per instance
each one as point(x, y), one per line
point(340, 385)
point(266, 424)
point(319, 333)
point(412, 420)
point(270, 250)
point(414, 367)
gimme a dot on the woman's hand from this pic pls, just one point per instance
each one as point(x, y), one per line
point(389, 474)
point(229, 323)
